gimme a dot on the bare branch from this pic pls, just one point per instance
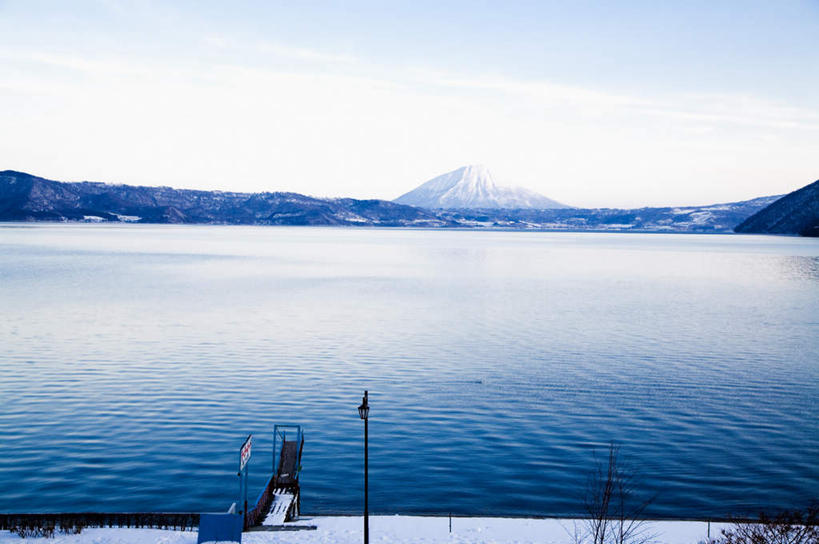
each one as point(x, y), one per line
point(789, 527)
point(613, 515)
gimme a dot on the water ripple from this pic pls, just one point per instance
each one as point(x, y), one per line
point(136, 360)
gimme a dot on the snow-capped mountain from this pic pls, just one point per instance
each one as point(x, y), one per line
point(473, 187)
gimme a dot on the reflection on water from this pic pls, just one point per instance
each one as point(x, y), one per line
point(800, 268)
point(136, 359)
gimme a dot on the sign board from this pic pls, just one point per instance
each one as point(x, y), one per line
point(244, 452)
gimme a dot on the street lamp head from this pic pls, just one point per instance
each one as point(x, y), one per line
point(364, 409)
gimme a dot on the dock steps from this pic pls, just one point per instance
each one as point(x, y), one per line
point(283, 500)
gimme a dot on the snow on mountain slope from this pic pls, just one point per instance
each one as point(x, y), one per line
point(473, 187)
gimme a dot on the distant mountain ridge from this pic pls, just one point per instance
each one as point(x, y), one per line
point(713, 218)
point(473, 187)
point(24, 197)
point(794, 213)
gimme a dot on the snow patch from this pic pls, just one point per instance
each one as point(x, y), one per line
point(128, 218)
point(389, 529)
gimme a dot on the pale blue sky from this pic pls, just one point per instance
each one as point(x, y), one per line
point(590, 103)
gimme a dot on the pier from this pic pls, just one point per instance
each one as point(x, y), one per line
point(280, 501)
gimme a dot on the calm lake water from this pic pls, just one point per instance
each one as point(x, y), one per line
point(135, 360)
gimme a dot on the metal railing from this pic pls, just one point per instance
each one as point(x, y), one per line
point(180, 521)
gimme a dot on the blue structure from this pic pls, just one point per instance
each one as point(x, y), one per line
point(220, 528)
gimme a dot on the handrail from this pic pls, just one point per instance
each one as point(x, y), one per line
point(280, 430)
point(263, 502)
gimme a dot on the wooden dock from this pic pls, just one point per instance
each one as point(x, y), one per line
point(280, 501)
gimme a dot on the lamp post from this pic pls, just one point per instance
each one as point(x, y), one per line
point(364, 412)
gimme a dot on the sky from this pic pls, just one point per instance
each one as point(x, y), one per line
point(594, 104)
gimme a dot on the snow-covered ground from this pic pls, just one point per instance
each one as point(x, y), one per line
point(389, 529)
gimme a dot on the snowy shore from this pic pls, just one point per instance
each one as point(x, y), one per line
point(389, 529)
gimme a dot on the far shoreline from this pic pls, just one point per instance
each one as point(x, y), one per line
point(128, 224)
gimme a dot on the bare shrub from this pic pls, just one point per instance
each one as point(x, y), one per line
point(46, 529)
point(613, 508)
point(31, 530)
point(789, 527)
point(70, 528)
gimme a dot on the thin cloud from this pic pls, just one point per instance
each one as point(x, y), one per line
point(739, 109)
point(279, 50)
point(231, 122)
point(736, 109)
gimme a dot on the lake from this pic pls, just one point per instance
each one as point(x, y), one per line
point(135, 360)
